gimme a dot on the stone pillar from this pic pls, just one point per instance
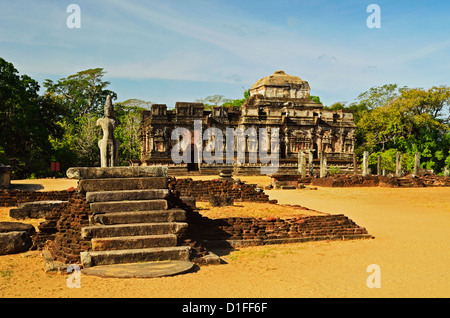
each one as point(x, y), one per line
point(379, 165)
point(323, 165)
point(446, 172)
point(417, 163)
point(302, 164)
point(365, 171)
point(311, 163)
point(355, 164)
point(398, 164)
point(200, 159)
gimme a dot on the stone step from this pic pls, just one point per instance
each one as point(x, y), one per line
point(105, 196)
point(117, 184)
point(128, 206)
point(140, 270)
point(100, 231)
point(94, 258)
point(35, 209)
point(116, 172)
point(156, 216)
point(133, 242)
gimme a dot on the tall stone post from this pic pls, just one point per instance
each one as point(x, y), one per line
point(302, 164)
point(355, 164)
point(398, 164)
point(446, 172)
point(365, 171)
point(311, 163)
point(417, 163)
point(379, 165)
point(323, 165)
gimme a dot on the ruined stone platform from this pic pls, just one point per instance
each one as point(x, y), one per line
point(132, 230)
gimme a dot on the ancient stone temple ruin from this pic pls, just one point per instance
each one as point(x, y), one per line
point(278, 101)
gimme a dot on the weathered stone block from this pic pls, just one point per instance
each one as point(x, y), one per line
point(133, 242)
point(93, 258)
point(132, 229)
point(104, 196)
point(157, 216)
point(14, 242)
point(124, 206)
point(6, 227)
point(116, 172)
point(37, 209)
point(92, 185)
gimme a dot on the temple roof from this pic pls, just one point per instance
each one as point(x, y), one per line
point(278, 78)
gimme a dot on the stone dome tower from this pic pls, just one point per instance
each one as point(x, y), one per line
point(281, 85)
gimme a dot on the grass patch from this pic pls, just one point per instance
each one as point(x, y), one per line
point(6, 273)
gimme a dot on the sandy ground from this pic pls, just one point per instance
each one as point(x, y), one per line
point(411, 248)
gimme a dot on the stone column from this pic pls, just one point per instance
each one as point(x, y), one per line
point(398, 164)
point(365, 171)
point(311, 163)
point(417, 163)
point(446, 172)
point(323, 165)
point(302, 164)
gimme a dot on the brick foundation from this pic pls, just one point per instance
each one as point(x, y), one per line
point(15, 197)
point(60, 233)
point(258, 231)
point(202, 190)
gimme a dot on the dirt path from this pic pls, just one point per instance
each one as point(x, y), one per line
point(411, 246)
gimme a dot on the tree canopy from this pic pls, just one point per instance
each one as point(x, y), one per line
point(220, 100)
point(406, 119)
point(26, 122)
point(84, 92)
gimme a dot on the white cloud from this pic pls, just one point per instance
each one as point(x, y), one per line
point(207, 41)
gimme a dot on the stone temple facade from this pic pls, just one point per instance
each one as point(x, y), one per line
point(277, 101)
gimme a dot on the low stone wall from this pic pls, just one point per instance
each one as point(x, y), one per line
point(257, 231)
point(15, 197)
point(202, 190)
point(380, 181)
point(278, 181)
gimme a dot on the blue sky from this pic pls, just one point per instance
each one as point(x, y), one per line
point(168, 51)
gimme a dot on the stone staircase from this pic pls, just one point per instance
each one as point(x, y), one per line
point(131, 223)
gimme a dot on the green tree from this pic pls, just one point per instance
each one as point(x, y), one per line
point(212, 101)
point(411, 121)
point(238, 102)
point(315, 99)
point(27, 120)
point(378, 96)
point(82, 93)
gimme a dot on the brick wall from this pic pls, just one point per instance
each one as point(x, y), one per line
point(262, 231)
point(60, 233)
point(15, 197)
point(202, 190)
point(367, 181)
